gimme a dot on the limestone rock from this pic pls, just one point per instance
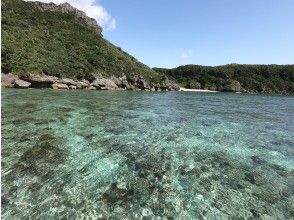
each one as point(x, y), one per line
point(7, 80)
point(121, 82)
point(90, 87)
point(39, 81)
point(82, 85)
point(72, 87)
point(22, 84)
point(59, 86)
point(104, 84)
point(67, 81)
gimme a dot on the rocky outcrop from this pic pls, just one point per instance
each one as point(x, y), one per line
point(82, 84)
point(21, 84)
point(104, 84)
point(39, 81)
point(115, 83)
point(172, 87)
point(67, 82)
point(90, 87)
point(67, 8)
point(59, 86)
point(121, 82)
point(8, 80)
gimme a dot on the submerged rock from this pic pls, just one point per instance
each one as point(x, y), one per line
point(256, 177)
point(21, 84)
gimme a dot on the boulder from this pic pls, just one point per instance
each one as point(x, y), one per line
point(7, 80)
point(90, 87)
point(72, 87)
point(82, 85)
point(21, 84)
point(85, 81)
point(157, 87)
point(104, 84)
point(39, 81)
point(132, 87)
point(121, 82)
point(67, 81)
point(172, 87)
point(142, 84)
point(59, 86)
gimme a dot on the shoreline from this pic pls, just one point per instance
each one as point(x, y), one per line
point(196, 90)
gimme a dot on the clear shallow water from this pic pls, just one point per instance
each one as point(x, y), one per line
point(144, 155)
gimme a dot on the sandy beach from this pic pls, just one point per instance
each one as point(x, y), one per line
point(196, 90)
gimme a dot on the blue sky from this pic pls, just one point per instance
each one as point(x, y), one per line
point(163, 33)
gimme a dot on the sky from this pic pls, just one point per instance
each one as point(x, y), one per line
point(169, 33)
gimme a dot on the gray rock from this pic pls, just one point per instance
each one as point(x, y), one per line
point(82, 85)
point(121, 82)
point(104, 84)
point(72, 87)
point(172, 87)
point(90, 87)
point(7, 80)
point(21, 84)
point(39, 81)
point(142, 84)
point(85, 81)
point(59, 86)
point(67, 81)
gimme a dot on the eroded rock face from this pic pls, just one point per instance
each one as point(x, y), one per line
point(82, 84)
point(172, 87)
point(121, 82)
point(39, 81)
point(115, 83)
point(67, 82)
point(7, 80)
point(59, 86)
point(21, 84)
point(104, 84)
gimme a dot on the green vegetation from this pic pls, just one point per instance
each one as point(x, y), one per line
point(60, 44)
point(234, 77)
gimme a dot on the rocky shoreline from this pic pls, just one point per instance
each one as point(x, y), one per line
point(97, 83)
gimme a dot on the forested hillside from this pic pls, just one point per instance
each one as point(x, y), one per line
point(46, 39)
point(234, 77)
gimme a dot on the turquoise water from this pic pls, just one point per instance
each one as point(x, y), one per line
point(145, 155)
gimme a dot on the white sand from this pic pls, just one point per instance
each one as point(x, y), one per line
point(196, 90)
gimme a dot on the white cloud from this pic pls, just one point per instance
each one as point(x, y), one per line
point(92, 9)
point(187, 54)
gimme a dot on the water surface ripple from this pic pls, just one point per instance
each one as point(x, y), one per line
point(145, 155)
